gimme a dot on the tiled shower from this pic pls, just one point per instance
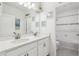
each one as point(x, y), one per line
point(67, 31)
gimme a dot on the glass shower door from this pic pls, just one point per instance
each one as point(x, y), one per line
point(78, 33)
point(67, 33)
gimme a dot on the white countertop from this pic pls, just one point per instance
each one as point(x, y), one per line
point(7, 45)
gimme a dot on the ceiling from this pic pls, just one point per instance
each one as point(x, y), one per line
point(60, 9)
point(16, 4)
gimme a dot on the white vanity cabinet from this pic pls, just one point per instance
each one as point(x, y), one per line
point(39, 47)
point(43, 47)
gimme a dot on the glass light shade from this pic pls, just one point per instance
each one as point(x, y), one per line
point(33, 6)
point(21, 3)
point(29, 6)
point(25, 5)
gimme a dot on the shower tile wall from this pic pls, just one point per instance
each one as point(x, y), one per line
point(67, 29)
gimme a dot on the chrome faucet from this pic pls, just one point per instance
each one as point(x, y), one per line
point(35, 34)
point(17, 35)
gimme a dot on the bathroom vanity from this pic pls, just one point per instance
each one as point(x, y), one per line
point(26, 46)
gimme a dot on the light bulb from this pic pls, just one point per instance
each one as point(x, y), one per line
point(33, 5)
point(21, 3)
point(29, 6)
point(25, 4)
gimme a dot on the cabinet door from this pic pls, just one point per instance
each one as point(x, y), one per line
point(32, 52)
point(43, 47)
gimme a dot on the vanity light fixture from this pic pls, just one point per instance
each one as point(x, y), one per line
point(29, 5)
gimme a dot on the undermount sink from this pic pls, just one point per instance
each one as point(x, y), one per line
point(19, 41)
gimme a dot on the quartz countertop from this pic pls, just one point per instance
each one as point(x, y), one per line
point(7, 45)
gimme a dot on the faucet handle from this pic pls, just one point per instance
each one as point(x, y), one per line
point(14, 33)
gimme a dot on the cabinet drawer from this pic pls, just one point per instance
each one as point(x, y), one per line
point(17, 51)
point(31, 45)
point(43, 47)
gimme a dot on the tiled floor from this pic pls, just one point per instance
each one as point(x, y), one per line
point(66, 52)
